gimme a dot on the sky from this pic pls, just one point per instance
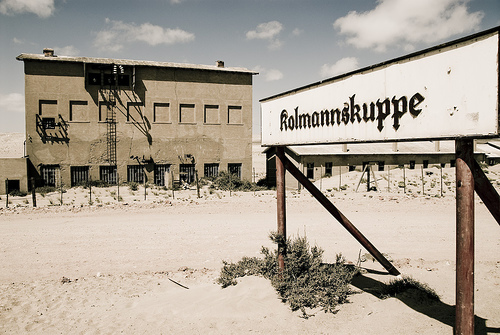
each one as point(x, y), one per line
point(291, 43)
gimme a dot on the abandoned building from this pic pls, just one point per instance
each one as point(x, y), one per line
point(130, 121)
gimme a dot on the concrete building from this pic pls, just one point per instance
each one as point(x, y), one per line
point(104, 119)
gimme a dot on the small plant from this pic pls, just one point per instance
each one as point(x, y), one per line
point(17, 193)
point(133, 186)
point(306, 282)
point(407, 284)
point(226, 181)
point(45, 189)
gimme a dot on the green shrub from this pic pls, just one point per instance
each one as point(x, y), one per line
point(306, 282)
point(45, 189)
point(419, 290)
point(17, 193)
point(133, 186)
point(227, 182)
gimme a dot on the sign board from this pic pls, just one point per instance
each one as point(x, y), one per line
point(444, 92)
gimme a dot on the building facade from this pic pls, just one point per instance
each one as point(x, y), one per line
point(136, 121)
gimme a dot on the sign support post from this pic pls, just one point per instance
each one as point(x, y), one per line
point(281, 196)
point(464, 318)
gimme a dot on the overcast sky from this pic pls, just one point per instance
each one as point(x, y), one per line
point(291, 43)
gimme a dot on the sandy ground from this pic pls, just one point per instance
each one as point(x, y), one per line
point(114, 267)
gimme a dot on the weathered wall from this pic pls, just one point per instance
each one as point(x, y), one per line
point(53, 87)
point(13, 169)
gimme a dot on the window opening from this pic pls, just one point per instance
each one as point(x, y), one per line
point(50, 174)
point(161, 174)
point(108, 174)
point(135, 173)
point(79, 175)
point(234, 169)
point(187, 173)
point(211, 170)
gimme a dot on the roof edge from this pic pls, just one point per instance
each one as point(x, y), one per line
point(94, 60)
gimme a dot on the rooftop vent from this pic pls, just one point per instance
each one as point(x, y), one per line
point(48, 52)
point(219, 63)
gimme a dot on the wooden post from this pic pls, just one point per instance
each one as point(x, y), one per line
point(388, 179)
point(422, 171)
point(33, 191)
point(340, 177)
point(441, 168)
point(368, 170)
point(144, 177)
point(90, 190)
point(404, 179)
point(117, 186)
point(280, 196)
point(464, 317)
point(7, 192)
point(197, 185)
point(61, 188)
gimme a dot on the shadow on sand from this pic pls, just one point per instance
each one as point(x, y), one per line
point(434, 309)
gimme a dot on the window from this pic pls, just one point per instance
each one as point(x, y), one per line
point(79, 175)
point(135, 173)
point(108, 174)
point(381, 165)
point(352, 168)
point(161, 174)
point(108, 79)
point(13, 185)
point(48, 123)
point(310, 170)
point(161, 112)
point(104, 106)
point(412, 165)
point(187, 113)
point(234, 115)
point(328, 168)
point(94, 79)
point(211, 170)
point(78, 111)
point(187, 173)
point(47, 107)
point(50, 174)
point(426, 163)
point(452, 163)
point(234, 169)
point(211, 114)
point(134, 112)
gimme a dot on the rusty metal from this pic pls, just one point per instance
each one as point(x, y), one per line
point(280, 196)
point(464, 317)
point(486, 192)
point(335, 212)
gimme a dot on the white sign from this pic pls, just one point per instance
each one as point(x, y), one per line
point(444, 92)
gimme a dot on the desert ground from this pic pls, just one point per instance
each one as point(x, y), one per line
point(106, 266)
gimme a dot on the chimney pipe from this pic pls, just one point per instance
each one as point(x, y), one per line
point(220, 63)
point(48, 52)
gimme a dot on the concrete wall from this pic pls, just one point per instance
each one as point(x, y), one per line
point(14, 169)
point(146, 127)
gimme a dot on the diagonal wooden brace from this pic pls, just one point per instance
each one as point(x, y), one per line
point(323, 200)
point(486, 191)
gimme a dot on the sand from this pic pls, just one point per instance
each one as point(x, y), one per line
point(117, 267)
